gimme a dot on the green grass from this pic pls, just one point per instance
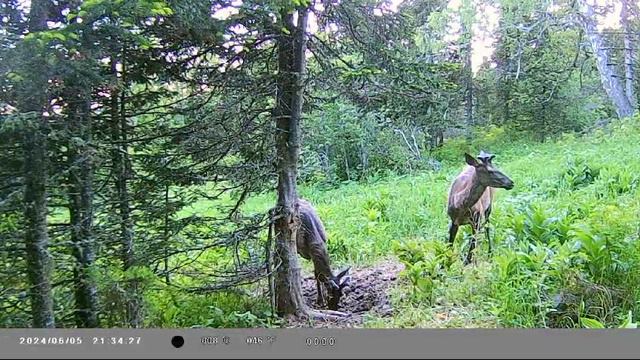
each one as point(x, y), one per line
point(568, 230)
point(566, 237)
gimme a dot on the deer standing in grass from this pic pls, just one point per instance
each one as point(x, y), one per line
point(471, 195)
point(312, 245)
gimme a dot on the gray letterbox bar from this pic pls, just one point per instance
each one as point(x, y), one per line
point(319, 343)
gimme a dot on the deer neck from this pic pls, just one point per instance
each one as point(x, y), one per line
point(475, 192)
point(320, 258)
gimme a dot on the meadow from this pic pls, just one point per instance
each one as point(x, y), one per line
point(566, 250)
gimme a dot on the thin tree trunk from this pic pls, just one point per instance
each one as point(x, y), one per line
point(81, 207)
point(468, 81)
point(346, 164)
point(120, 159)
point(416, 148)
point(38, 259)
point(325, 160)
point(290, 85)
point(629, 55)
point(609, 78)
point(364, 156)
point(167, 278)
point(468, 98)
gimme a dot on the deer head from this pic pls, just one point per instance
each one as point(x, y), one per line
point(487, 174)
point(335, 285)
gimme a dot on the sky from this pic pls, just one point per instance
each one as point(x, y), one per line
point(483, 42)
point(487, 17)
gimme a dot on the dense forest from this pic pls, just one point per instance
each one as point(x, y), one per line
point(152, 154)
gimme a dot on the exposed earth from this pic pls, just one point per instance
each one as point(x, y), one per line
point(366, 294)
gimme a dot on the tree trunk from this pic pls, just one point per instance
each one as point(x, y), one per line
point(165, 235)
point(287, 113)
point(81, 207)
point(629, 55)
point(468, 81)
point(468, 96)
point(364, 158)
point(436, 137)
point(609, 78)
point(121, 161)
point(35, 191)
point(325, 161)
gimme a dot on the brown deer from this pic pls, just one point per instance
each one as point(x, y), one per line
point(471, 195)
point(312, 245)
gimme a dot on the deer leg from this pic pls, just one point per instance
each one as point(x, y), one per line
point(472, 245)
point(486, 229)
point(453, 231)
point(320, 299)
point(319, 289)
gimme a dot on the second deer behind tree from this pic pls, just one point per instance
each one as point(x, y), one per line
point(312, 245)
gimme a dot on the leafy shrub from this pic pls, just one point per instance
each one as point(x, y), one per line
point(519, 282)
point(171, 308)
point(539, 224)
point(578, 174)
point(426, 265)
point(615, 183)
point(377, 207)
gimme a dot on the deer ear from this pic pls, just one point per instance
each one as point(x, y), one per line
point(471, 160)
point(343, 273)
point(344, 282)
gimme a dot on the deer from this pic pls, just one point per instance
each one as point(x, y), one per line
point(311, 241)
point(471, 196)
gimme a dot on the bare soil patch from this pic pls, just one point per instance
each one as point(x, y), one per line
point(368, 293)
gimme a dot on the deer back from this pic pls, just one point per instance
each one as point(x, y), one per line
point(312, 237)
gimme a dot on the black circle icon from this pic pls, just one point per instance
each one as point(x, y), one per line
point(177, 341)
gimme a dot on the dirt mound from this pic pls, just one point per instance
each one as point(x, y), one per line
point(367, 294)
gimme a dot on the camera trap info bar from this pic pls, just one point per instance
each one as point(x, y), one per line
point(318, 343)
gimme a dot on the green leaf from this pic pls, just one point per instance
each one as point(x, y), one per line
point(88, 4)
point(628, 322)
point(15, 77)
point(591, 323)
point(165, 11)
point(58, 35)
